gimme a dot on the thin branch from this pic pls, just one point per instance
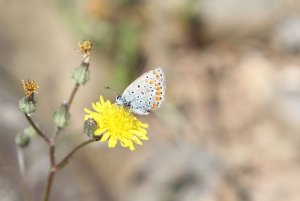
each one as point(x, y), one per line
point(39, 132)
point(76, 87)
point(52, 153)
point(49, 184)
point(60, 165)
point(21, 164)
point(65, 160)
point(72, 95)
point(51, 142)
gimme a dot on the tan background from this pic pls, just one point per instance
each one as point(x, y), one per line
point(228, 130)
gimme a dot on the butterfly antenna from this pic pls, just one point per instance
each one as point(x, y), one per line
point(107, 87)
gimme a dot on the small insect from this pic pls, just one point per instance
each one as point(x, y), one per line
point(145, 94)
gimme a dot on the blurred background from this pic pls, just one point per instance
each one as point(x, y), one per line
point(229, 127)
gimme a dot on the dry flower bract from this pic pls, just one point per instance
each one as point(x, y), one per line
point(85, 47)
point(30, 87)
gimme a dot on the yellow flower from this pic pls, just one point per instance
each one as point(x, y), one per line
point(30, 87)
point(117, 123)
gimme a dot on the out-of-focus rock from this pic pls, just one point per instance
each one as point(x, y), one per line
point(286, 103)
point(236, 18)
point(286, 35)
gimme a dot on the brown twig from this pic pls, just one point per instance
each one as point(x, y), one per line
point(60, 165)
point(65, 160)
point(51, 142)
point(49, 184)
point(76, 87)
point(39, 132)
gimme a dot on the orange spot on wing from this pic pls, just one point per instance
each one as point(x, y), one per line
point(154, 106)
point(158, 93)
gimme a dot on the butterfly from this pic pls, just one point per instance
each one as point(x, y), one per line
point(145, 94)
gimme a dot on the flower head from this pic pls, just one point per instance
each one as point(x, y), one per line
point(30, 87)
point(85, 47)
point(116, 123)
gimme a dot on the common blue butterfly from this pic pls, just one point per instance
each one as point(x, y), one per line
point(145, 94)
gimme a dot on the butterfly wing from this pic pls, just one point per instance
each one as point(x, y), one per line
point(146, 93)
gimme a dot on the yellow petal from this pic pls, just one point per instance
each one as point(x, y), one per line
point(117, 123)
point(102, 100)
point(137, 140)
point(105, 137)
point(99, 131)
point(131, 146)
point(112, 142)
point(124, 143)
point(144, 125)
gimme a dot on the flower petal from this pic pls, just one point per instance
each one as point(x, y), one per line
point(105, 137)
point(137, 140)
point(112, 142)
point(116, 123)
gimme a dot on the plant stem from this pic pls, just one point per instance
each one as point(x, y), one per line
point(51, 142)
point(21, 164)
point(60, 165)
point(39, 132)
point(72, 95)
point(70, 100)
point(65, 160)
point(49, 184)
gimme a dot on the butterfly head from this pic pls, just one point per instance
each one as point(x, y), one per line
point(119, 100)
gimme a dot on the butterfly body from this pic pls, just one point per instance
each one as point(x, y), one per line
point(145, 94)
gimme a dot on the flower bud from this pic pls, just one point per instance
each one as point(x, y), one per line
point(81, 74)
point(62, 116)
point(30, 132)
point(27, 105)
point(22, 140)
point(89, 127)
